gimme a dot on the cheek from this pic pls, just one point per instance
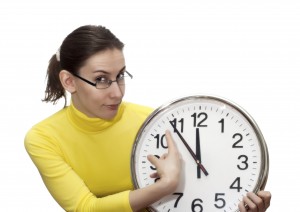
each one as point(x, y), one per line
point(95, 97)
point(122, 88)
point(91, 96)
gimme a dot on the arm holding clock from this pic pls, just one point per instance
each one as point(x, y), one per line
point(256, 202)
point(217, 133)
point(168, 170)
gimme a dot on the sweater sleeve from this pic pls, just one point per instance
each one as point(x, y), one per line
point(67, 188)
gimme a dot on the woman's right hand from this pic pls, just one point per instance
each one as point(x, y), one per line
point(168, 166)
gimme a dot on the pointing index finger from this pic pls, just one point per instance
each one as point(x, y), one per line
point(170, 142)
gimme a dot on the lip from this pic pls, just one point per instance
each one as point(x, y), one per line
point(113, 106)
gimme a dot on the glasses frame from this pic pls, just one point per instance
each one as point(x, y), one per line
point(95, 84)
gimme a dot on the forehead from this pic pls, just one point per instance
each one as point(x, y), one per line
point(110, 61)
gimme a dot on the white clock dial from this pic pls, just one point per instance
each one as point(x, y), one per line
point(221, 136)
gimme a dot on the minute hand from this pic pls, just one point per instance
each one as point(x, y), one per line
point(189, 149)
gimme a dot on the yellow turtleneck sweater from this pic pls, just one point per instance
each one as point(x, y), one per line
point(85, 162)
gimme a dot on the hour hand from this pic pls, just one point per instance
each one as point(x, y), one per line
point(198, 151)
point(189, 149)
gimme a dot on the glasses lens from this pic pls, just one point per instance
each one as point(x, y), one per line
point(102, 84)
point(124, 77)
point(120, 80)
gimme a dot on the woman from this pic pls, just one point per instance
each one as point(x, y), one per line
point(83, 151)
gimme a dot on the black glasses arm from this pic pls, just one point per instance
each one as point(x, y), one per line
point(91, 83)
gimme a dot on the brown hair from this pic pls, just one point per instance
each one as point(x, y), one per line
point(76, 48)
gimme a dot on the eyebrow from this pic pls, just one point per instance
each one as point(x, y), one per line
point(105, 72)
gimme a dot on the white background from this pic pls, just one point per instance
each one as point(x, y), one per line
point(246, 51)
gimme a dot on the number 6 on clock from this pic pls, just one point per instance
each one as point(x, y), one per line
point(215, 133)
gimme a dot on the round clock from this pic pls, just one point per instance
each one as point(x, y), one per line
point(224, 154)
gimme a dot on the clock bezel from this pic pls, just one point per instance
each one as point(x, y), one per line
point(264, 168)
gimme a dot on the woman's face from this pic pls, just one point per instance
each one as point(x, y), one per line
point(100, 103)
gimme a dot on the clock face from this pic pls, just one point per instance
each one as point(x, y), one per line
point(219, 135)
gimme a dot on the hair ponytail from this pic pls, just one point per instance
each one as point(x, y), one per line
point(54, 89)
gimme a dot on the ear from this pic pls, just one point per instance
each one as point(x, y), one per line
point(67, 81)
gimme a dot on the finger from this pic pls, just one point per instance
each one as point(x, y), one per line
point(164, 156)
point(170, 142)
point(154, 175)
point(153, 160)
point(242, 207)
point(266, 197)
point(251, 206)
point(254, 202)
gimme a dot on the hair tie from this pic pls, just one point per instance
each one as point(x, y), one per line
point(58, 55)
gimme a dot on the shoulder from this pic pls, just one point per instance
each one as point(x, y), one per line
point(135, 114)
point(137, 109)
point(54, 120)
point(43, 130)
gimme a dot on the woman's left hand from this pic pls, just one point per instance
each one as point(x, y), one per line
point(255, 202)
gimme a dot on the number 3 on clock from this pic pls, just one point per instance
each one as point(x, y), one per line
point(223, 151)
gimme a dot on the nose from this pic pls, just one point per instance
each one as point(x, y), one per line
point(116, 91)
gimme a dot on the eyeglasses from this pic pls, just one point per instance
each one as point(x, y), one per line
point(102, 82)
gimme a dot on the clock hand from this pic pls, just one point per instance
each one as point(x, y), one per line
point(198, 152)
point(189, 149)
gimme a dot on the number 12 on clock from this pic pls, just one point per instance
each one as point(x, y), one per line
point(224, 154)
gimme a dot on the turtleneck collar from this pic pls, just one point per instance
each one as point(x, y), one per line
point(92, 125)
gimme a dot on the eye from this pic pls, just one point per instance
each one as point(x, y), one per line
point(121, 75)
point(101, 80)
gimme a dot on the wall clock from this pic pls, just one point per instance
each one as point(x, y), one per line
point(224, 154)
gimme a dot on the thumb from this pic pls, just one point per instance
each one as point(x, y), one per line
point(153, 159)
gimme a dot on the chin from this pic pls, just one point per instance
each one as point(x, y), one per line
point(108, 116)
